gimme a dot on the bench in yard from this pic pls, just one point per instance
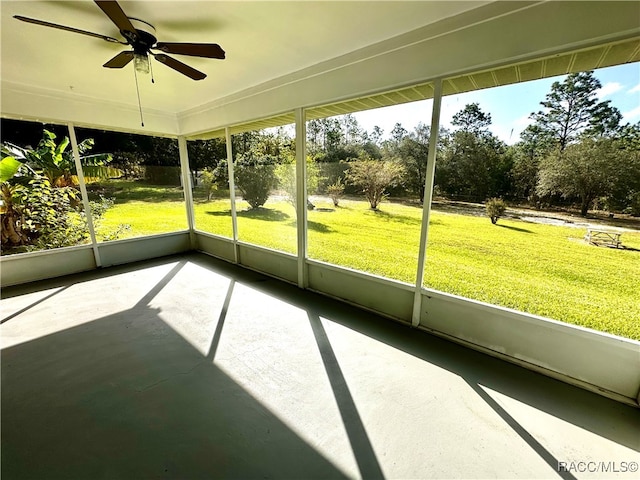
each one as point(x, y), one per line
point(603, 237)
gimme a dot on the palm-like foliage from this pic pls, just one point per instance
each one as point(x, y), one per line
point(37, 194)
point(55, 160)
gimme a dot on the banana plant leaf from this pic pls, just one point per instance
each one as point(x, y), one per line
point(11, 150)
point(9, 166)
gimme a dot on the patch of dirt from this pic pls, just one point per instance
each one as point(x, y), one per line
point(564, 218)
point(619, 222)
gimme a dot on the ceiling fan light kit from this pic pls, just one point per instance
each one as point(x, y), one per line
point(141, 37)
point(141, 62)
point(146, 39)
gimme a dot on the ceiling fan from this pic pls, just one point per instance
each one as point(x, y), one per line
point(143, 41)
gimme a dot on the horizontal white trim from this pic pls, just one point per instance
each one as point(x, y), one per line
point(214, 236)
point(41, 253)
point(423, 34)
point(26, 102)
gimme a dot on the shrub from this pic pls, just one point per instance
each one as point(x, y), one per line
point(495, 209)
point(335, 191)
point(208, 178)
point(373, 177)
point(255, 179)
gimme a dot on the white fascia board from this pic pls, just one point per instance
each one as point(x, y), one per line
point(492, 36)
point(27, 102)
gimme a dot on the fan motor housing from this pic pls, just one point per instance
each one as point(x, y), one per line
point(146, 36)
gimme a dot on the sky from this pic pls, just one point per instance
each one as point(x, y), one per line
point(510, 105)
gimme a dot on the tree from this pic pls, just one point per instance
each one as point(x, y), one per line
point(412, 153)
point(572, 109)
point(586, 170)
point(335, 191)
point(472, 119)
point(352, 132)
point(624, 194)
point(208, 178)
point(335, 139)
point(474, 163)
point(373, 177)
point(398, 133)
point(376, 135)
point(534, 144)
point(36, 213)
point(206, 154)
point(629, 136)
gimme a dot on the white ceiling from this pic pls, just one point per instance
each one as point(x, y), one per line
point(263, 41)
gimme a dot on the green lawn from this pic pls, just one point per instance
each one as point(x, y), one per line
point(542, 269)
point(139, 209)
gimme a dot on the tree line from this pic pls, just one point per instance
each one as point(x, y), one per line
point(576, 151)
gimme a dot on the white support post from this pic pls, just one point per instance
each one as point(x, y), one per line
point(301, 195)
point(187, 188)
point(83, 192)
point(232, 194)
point(426, 201)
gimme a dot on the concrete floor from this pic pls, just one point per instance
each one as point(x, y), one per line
point(187, 367)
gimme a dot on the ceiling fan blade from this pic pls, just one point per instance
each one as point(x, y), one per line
point(68, 29)
point(179, 66)
point(119, 18)
point(120, 60)
point(207, 50)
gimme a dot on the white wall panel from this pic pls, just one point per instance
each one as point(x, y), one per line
point(591, 359)
point(215, 246)
point(379, 295)
point(135, 249)
point(275, 264)
point(30, 267)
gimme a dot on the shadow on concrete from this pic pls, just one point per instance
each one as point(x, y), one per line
point(215, 341)
point(602, 416)
point(30, 306)
point(125, 396)
point(358, 438)
point(545, 454)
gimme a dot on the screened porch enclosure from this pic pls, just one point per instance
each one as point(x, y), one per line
point(230, 296)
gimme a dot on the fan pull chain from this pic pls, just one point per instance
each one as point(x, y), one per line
point(135, 74)
point(151, 70)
